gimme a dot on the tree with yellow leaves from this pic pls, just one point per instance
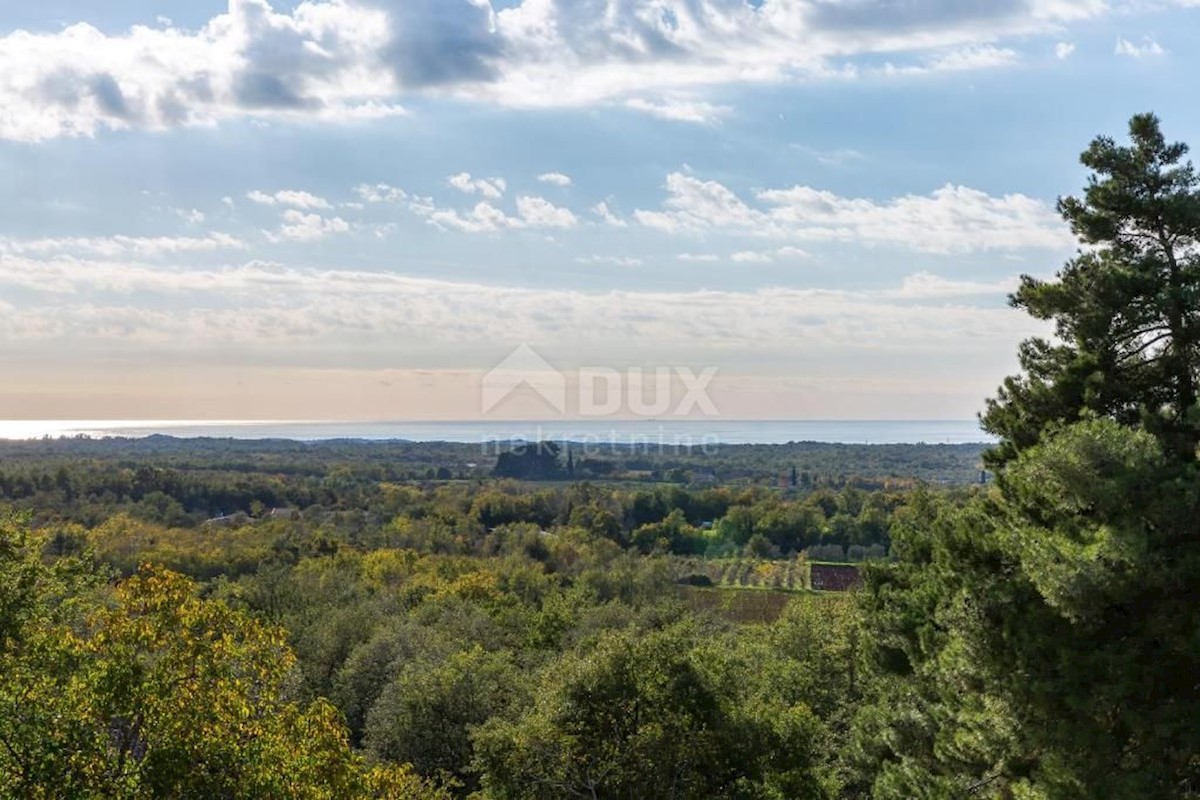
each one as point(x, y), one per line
point(149, 690)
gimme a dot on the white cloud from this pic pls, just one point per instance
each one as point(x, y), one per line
point(958, 59)
point(355, 318)
point(769, 256)
point(619, 261)
point(191, 216)
point(380, 193)
point(925, 285)
point(291, 198)
point(538, 212)
point(607, 216)
point(751, 257)
point(653, 52)
point(792, 253)
point(491, 188)
point(974, 57)
point(113, 246)
point(341, 60)
point(483, 218)
point(322, 60)
point(532, 212)
point(950, 219)
point(1063, 50)
point(555, 178)
point(698, 258)
point(301, 227)
point(1148, 47)
point(694, 204)
point(680, 109)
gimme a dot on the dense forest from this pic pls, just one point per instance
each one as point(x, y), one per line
point(212, 618)
point(306, 464)
point(358, 494)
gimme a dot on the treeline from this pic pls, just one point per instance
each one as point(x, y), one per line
point(465, 518)
point(183, 483)
point(29, 464)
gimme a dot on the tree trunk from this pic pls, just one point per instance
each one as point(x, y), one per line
point(1184, 435)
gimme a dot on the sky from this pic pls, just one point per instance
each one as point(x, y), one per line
point(355, 209)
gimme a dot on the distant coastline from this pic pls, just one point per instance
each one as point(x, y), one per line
point(618, 431)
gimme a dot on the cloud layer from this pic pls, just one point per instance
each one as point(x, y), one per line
point(346, 59)
point(950, 219)
point(119, 306)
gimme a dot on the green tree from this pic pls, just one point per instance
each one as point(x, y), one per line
point(1125, 310)
point(424, 716)
point(151, 691)
point(652, 715)
point(1033, 642)
point(374, 663)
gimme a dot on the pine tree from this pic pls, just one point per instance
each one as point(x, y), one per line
point(1040, 640)
point(1126, 309)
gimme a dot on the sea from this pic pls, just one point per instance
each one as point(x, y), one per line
point(604, 431)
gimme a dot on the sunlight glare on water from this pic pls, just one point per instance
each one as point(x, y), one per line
point(41, 428)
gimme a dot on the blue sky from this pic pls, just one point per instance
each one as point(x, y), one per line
point(352, 209)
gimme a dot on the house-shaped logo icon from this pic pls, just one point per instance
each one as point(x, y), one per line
point(524, 367)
